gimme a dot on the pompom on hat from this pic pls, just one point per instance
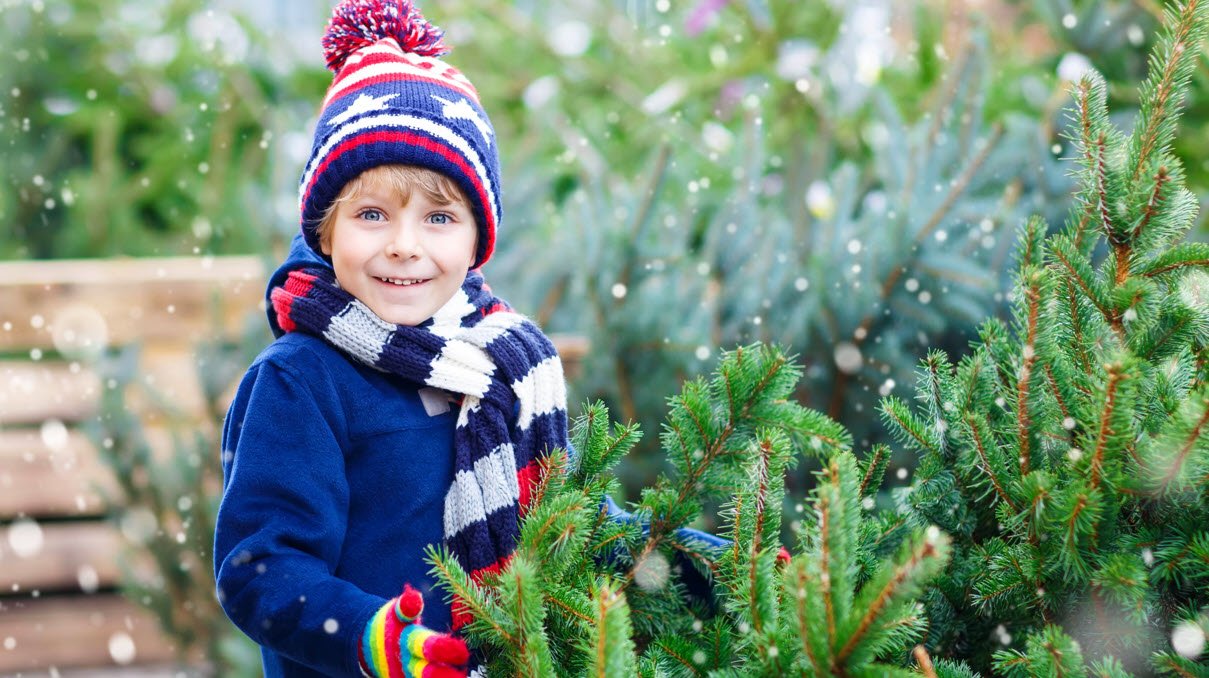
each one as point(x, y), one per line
point(393, 101)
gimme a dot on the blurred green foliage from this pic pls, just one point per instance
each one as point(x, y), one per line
point(135, 128)
point(824, 176)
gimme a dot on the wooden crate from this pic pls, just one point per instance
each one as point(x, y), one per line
point(58, 550)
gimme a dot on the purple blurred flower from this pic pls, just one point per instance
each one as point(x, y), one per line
point(701, 16)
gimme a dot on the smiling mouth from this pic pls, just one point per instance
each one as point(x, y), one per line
point(404, 282)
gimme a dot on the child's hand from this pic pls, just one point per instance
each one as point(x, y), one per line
point(396, 645)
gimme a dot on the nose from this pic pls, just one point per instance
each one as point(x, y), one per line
point(404, 242)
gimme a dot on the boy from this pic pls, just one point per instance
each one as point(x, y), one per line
point(343, 456)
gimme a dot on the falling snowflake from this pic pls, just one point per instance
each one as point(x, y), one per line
point(848, 357)
point(570, 38)
point(1073, 66)
point(25, 537)
point(652, 572)
point(54, 435)
point(819, 200)
point(88, 579)
point(1188, 640)
point(121, 648)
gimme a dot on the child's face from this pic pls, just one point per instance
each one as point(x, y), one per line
point(402, 260)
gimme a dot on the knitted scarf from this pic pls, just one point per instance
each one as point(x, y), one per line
point(513, 406)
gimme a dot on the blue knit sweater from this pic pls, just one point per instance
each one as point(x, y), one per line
point(334, 479)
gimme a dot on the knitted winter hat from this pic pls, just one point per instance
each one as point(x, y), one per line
point(393, 101)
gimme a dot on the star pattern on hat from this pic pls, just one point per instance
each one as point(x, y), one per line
point(461, 109)
point(363, 104)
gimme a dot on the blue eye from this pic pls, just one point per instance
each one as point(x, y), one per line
point(372, 215)
point(440, 218)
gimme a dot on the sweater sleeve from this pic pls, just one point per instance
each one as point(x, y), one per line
point(282, 521)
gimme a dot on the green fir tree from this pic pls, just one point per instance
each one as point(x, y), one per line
point(1068, 453)
point(591, 595)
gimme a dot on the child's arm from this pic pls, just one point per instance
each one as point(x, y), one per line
point(280, 527)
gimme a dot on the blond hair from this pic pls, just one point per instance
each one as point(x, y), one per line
point(403, 180)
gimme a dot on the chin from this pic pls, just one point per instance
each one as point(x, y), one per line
point(408, 318)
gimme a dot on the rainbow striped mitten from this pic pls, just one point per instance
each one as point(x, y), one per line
point(395, 645)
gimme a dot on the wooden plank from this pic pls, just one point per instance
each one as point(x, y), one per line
point(77, 556)
point(572, 349)
point(81, 306)
point(56, 474)
point(32, 392)
point(75, 631)
point(168, 384)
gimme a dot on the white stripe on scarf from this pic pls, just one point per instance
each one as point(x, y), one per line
point(492, 485)
point(366, 332)
point(541, 391)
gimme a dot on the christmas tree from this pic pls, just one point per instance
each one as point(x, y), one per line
point(1057, 515)
point(595, 591)
point(1067, 453)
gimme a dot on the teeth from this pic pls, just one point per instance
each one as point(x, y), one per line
point(402, 281)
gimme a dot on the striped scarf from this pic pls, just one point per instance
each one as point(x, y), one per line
point(513, 406)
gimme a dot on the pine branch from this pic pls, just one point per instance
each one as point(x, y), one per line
point(612, 646)
point(521, 598)
point(904, 422)
point(927, 552)
point(804, 588)
point(1176, 665)
point(1080, 274)
point(773, 368)
point(551, 466)
point(1176, 71)
point(1023, 421)
point(1177, 465)
point(569, 610)
point(924, 661)
point(1153, 203)
point(825, 562)
point(1180, 256)
point(1100, 175)
point(463, 591)
point(875, 467)
point(762, 472)
point(1054, 390)
point(936, 368)
point(1030, 246)
point(681, 658)
point(1105, 430)
point(1078, 344)
point(976, 434)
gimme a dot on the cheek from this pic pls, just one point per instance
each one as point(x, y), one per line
point(470, 246)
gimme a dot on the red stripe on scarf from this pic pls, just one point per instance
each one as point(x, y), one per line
point(527, 477)
point(297, 284)
point(281, 305)
point(495, 308)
